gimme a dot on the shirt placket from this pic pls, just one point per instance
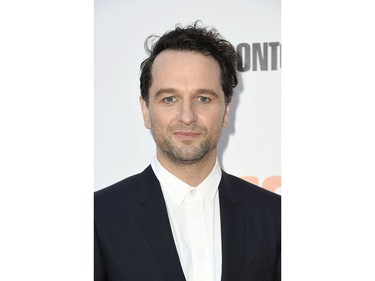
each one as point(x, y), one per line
point(201, 265)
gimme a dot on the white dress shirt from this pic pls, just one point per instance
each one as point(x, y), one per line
point(194, 215)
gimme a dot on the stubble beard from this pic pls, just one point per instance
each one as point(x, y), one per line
point(187, 152)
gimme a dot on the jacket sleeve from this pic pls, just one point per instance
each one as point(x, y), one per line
point(99, 268)
point(278, 269)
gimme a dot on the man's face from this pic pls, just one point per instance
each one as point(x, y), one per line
point(187, 109)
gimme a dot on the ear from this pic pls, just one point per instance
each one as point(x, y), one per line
point(145, 112)
point(226, 116)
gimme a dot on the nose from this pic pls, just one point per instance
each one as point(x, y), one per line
point(187, 114)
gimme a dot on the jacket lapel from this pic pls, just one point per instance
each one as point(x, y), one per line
point(153, 216)
point(232, 231)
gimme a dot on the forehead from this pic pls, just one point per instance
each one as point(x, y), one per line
point(185, 66)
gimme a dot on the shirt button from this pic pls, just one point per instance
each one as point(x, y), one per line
point(193, 192)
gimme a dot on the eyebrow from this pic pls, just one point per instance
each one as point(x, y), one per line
point(174, 91)
point(166, 91)
point(207, 92)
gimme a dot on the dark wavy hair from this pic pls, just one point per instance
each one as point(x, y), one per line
point(204, 40)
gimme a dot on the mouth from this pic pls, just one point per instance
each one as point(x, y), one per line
point(187, 135)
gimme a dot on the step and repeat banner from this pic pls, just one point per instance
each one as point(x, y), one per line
point(250, 147)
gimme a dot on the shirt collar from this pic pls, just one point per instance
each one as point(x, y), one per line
point(177, 189)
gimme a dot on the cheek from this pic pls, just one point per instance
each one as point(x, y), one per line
point(160, 119)
point(215, 121)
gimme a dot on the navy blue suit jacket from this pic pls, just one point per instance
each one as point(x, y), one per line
point(134, 241)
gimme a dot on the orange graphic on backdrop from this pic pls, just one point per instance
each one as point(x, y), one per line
point(269, 183)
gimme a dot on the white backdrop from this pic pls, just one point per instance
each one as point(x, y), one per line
point(250, 147)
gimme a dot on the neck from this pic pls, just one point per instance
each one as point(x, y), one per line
point(191, 173)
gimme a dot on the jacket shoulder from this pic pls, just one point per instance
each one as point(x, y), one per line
point(123, 193)
point(249, 193)
point(124, 186)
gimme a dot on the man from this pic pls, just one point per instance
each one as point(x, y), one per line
point(183, 218)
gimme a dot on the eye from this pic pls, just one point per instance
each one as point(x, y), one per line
point(203, 99)
point(170, 99)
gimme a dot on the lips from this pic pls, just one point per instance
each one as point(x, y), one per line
point(187, 135)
